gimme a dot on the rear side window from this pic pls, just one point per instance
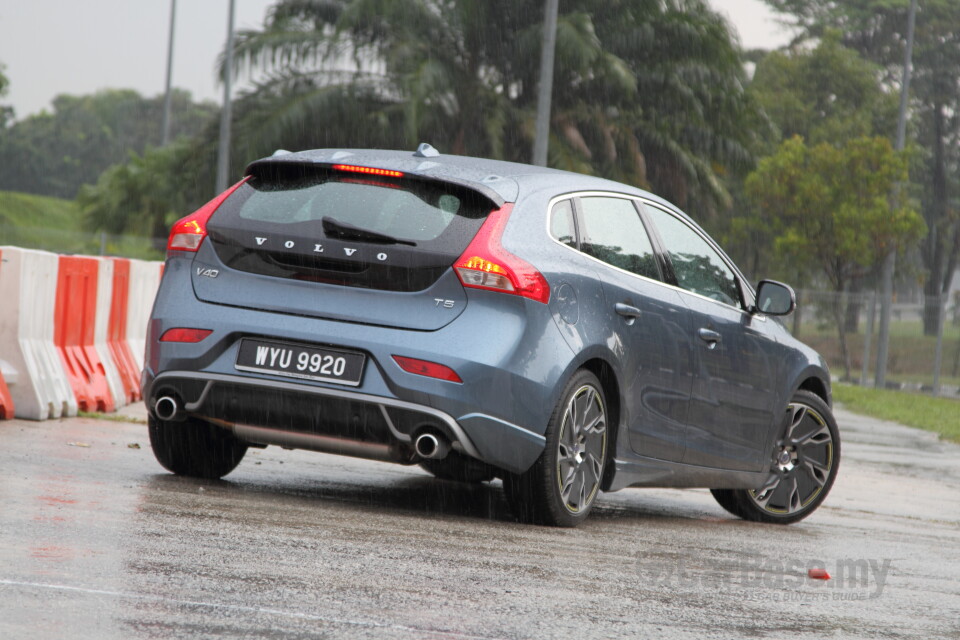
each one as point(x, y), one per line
point(416, 214)
point(561, 223)
point(613, 233)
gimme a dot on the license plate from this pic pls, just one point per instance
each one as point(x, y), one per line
point(300, 361)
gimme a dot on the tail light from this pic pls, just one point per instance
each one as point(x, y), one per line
point(189, 232)
point(487, 265)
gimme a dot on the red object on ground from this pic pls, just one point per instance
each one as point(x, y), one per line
point(73, 332)
point(6, 402)
point(117, 331)
point(818, 574)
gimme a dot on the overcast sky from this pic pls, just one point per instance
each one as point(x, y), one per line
point(79, 46)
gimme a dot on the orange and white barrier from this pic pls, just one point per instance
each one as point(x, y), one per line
point(100, 325)
point(144, 282)
point(28, 290)
point(72, 331)
point(117, 332)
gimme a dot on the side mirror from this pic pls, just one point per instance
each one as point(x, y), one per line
point(774, 299)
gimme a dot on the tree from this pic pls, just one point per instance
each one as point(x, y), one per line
point(54, 153)
point(129, 198)
point(831, 211)
point(877, 28)
point(6, 113)
point(690, 116)
point(646, 91)
point(829, 93)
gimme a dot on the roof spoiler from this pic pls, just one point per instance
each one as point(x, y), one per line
point(257, 166)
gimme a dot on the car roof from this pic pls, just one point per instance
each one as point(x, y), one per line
point(498, 180)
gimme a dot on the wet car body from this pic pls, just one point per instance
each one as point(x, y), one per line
point(694, 385)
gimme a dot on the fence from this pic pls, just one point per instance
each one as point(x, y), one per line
point(924, 345)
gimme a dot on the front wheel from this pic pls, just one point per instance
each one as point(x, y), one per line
point(560, 488)
point(803, 467)
point(195, 448)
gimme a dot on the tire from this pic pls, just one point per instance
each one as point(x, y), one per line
point(195, 448)
point(458, 468)
point(804, 466)
point(560, 488)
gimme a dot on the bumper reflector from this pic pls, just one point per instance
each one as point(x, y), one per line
point(427, 368)
point(184, 335)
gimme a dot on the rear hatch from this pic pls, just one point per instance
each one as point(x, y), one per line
point(348, 243)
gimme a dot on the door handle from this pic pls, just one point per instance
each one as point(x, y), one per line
point(626, 310)
point(709, 336)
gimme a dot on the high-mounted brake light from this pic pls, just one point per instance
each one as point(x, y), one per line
point(181, 334)
point(189, 232)
point(487, 265)
point(427, 368)
point(370, 171)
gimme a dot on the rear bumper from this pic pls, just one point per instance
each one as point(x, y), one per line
point(337, 420)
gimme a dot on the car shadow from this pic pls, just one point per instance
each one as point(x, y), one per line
point(425, 495)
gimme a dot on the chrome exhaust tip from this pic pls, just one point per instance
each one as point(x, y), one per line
point(166, 408)
point(430, 446)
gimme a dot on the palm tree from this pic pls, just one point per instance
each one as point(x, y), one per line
point(646, 91)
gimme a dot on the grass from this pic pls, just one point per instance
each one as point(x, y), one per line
point(940, 415)
point(111, 417)
point(53, 224)
point(38, 222)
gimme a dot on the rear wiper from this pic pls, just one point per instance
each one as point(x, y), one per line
point(343, 231)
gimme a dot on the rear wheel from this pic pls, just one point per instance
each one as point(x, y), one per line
point(803, 467)
point(458, 468)
point(195, 448)
point(560, 488)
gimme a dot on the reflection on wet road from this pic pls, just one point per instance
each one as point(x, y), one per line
point(97, 541)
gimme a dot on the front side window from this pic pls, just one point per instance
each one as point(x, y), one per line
point(613, 233)
point(697, 265)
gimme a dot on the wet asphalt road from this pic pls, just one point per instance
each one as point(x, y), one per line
point(98, 541)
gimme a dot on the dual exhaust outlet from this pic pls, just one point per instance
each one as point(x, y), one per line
point(428, 445)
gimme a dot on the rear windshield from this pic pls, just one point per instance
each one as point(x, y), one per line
point(403, 209)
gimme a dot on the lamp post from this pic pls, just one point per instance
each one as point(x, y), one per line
point(889, 263)
point(542, 136)
point(223, 160)
point(165, 138)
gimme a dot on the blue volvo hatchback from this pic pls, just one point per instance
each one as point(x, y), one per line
point(484, 319)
